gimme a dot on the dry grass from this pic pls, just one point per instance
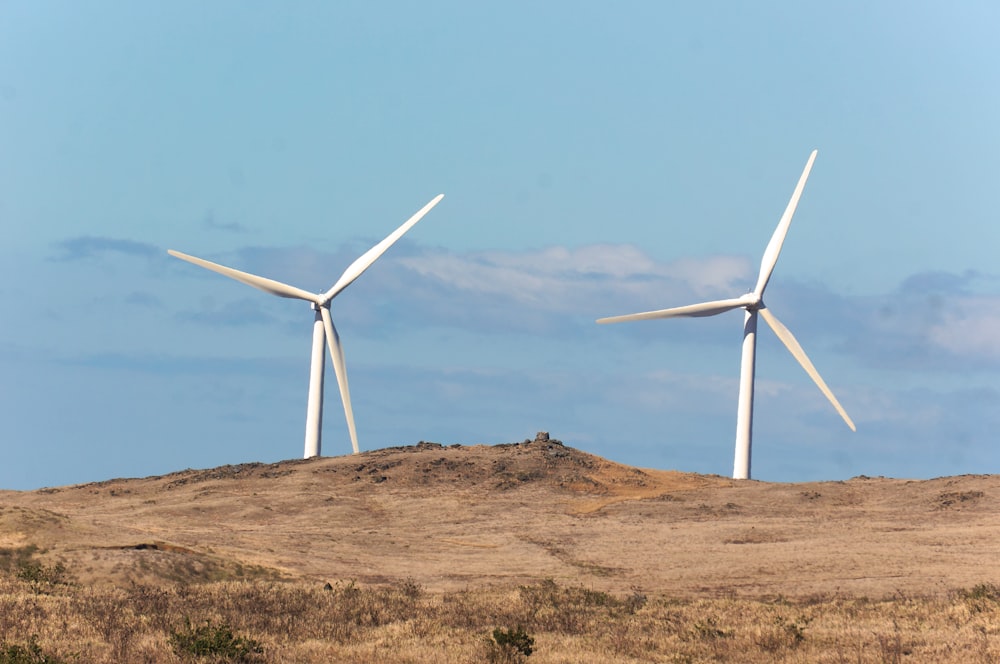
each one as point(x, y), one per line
point(402, 623)
point(598, 562)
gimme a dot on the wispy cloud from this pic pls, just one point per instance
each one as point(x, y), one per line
point(561, 278)
point(555, 289)
point(970, 330)
point(210, 222)
point(934, 320)
point(90, 246)
point(543, 290)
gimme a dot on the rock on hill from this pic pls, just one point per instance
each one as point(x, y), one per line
point(460, 516)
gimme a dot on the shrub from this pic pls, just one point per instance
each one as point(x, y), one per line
point(42, 576)
point(11, 559)
point(707, 630)
point(26, 654)
point(216, 643)
point(634, 602)
point(983, 591)
point(781, 634)
point(410, 588)
point(509, 646)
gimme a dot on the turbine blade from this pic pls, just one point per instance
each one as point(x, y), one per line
point(770, 258)
point(796, 350)
point(267, 285)
point(693, 310)
point(357, 268)
point(339, 368)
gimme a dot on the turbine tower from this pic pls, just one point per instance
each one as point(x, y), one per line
point(324, 332)
point(753, 304)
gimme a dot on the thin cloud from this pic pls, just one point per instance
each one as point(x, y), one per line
point(594, 279)
point(938, 282)
point(214, 224)
point(970, 330)
point(560, 278)
point(557, 289)
point(91, 246)
point(933, 321)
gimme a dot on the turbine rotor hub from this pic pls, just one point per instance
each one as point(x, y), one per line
point(753, 302)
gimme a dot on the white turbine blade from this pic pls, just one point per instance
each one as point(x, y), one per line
point(339, 368)
point(266, 285)
point(770, 258)
point(694, 310)
point(796, 350)
point(358, 267)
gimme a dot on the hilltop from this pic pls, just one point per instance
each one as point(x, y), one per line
point(454, 517)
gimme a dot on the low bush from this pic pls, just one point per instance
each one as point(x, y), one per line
point(509, 646)
point(30, 653)
point(40, 576)
point(214, 642)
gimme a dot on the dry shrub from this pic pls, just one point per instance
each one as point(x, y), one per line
point(781, 634)
point(302, 622)
point(509, 646)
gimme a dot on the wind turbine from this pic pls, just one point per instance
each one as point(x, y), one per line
point(753, 303)
point(323, 329)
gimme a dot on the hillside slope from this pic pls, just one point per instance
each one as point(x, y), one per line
point(466, 516)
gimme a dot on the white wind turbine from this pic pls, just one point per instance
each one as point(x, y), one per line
point(753, 303)
point(322, 326)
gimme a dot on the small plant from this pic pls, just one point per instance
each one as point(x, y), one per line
point(410, 588)
point(12, 653)
point(708, 631)
point(349, 591)
point(983, 591)
point(11, 559)
point(634, 602)
point(795, 630)
point(891, 646)
point(981, 598)
point(214, 642)
point(782, 634)
point(509, 646)
point(42, 576)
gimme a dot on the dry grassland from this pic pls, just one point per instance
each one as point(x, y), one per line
point(418, 554)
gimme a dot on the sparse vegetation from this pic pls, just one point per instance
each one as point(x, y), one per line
point(509, 646)
point(981, 598)
point(42, 577)
point(982, 592)
point(267, 622)
point(29, 653)
point(955, 498)
point(214, 642)
point(15, 558)
point(430, 546)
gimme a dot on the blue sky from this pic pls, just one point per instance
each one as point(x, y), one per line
point(596, 160)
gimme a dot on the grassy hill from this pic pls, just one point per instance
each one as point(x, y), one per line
point(668, 565)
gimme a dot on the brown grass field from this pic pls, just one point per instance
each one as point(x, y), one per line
point(417, 554)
